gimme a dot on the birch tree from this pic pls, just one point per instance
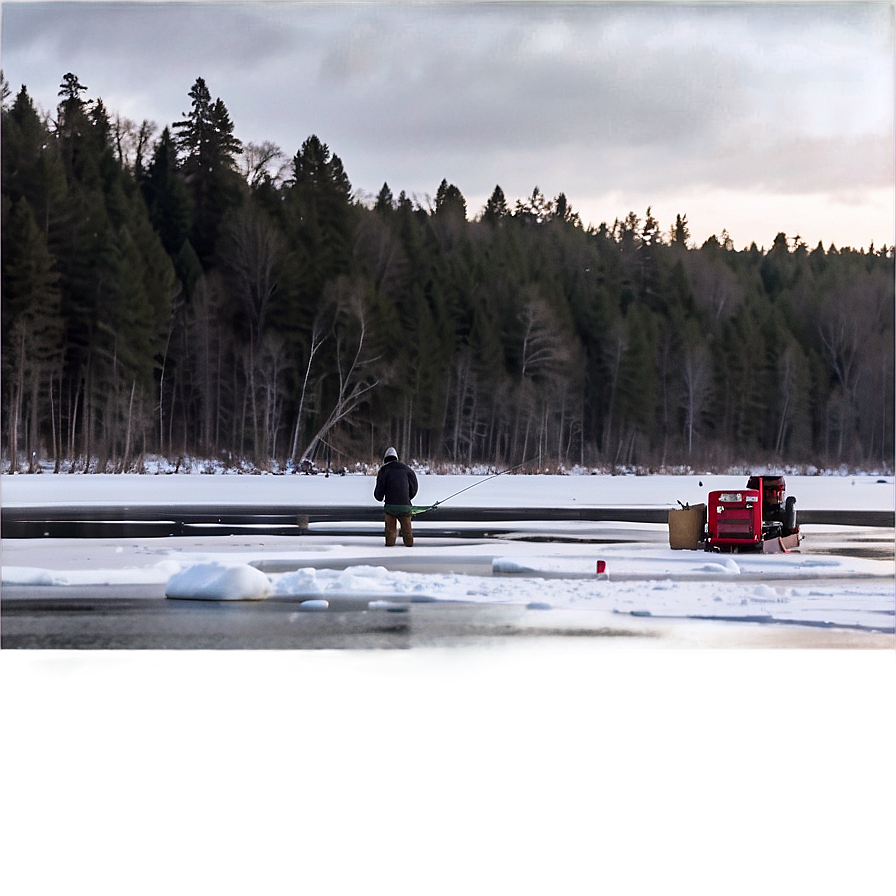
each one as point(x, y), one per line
point(697, 380)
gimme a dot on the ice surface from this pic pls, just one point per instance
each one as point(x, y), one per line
point(811, 492)
point(778, 723)
point(643, 575)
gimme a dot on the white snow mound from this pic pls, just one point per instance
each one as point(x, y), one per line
point(300, 582)
point(214, 581)
point(29, 575)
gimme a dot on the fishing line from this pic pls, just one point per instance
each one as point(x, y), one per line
point(480, 482)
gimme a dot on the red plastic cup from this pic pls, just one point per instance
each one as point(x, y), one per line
point(601, 567)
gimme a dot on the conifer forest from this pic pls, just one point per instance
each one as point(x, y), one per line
point(172, 292)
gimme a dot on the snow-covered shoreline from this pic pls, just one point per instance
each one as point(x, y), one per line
point(870, 492)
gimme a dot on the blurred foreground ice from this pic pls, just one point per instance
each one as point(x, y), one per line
point(565, 772)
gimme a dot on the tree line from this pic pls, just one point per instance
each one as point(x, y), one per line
point(183, 294)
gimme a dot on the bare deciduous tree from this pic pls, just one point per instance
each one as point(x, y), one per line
point(697, 379)
point(545, 367)
point(319, 333)
point(715, 286)
point(355, 376)
point(264, 161)
point(847, 322)
point(132, 140)
point(381, 254)
point(545, 345)
point(254, 249)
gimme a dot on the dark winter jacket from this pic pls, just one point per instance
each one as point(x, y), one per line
point(396, 484)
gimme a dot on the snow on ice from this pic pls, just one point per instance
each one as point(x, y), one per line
point(216, 581)
point(785, 752)
point(643, 575)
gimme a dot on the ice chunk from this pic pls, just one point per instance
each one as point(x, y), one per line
point(727, 566)
point(27, 575)
point(214, 581)
point(388, 605)
point(302, 581)
point(506, 565)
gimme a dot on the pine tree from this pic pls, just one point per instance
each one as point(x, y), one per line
point(496, 208)
point(320, 215)
point(450, 201)
point(385, 201)
point(208, 149)
point(24, 138)
point(83, 135)
point(680, 233)
point(166, 195)
point(535, 210)
point(32, 329)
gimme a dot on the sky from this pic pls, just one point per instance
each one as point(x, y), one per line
point(752, 118)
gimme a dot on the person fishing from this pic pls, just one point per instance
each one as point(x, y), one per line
point(396, 484)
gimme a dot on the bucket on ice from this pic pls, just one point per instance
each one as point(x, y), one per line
point(686, 527)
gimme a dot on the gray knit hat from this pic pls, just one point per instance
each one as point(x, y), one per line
point(390, 452)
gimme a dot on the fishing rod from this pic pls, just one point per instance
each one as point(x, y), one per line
point(416, 512)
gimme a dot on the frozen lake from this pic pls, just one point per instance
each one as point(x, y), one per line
point(491, 685)
point(530, 578)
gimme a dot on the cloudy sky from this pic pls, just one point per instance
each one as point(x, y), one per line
point(755, 118)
